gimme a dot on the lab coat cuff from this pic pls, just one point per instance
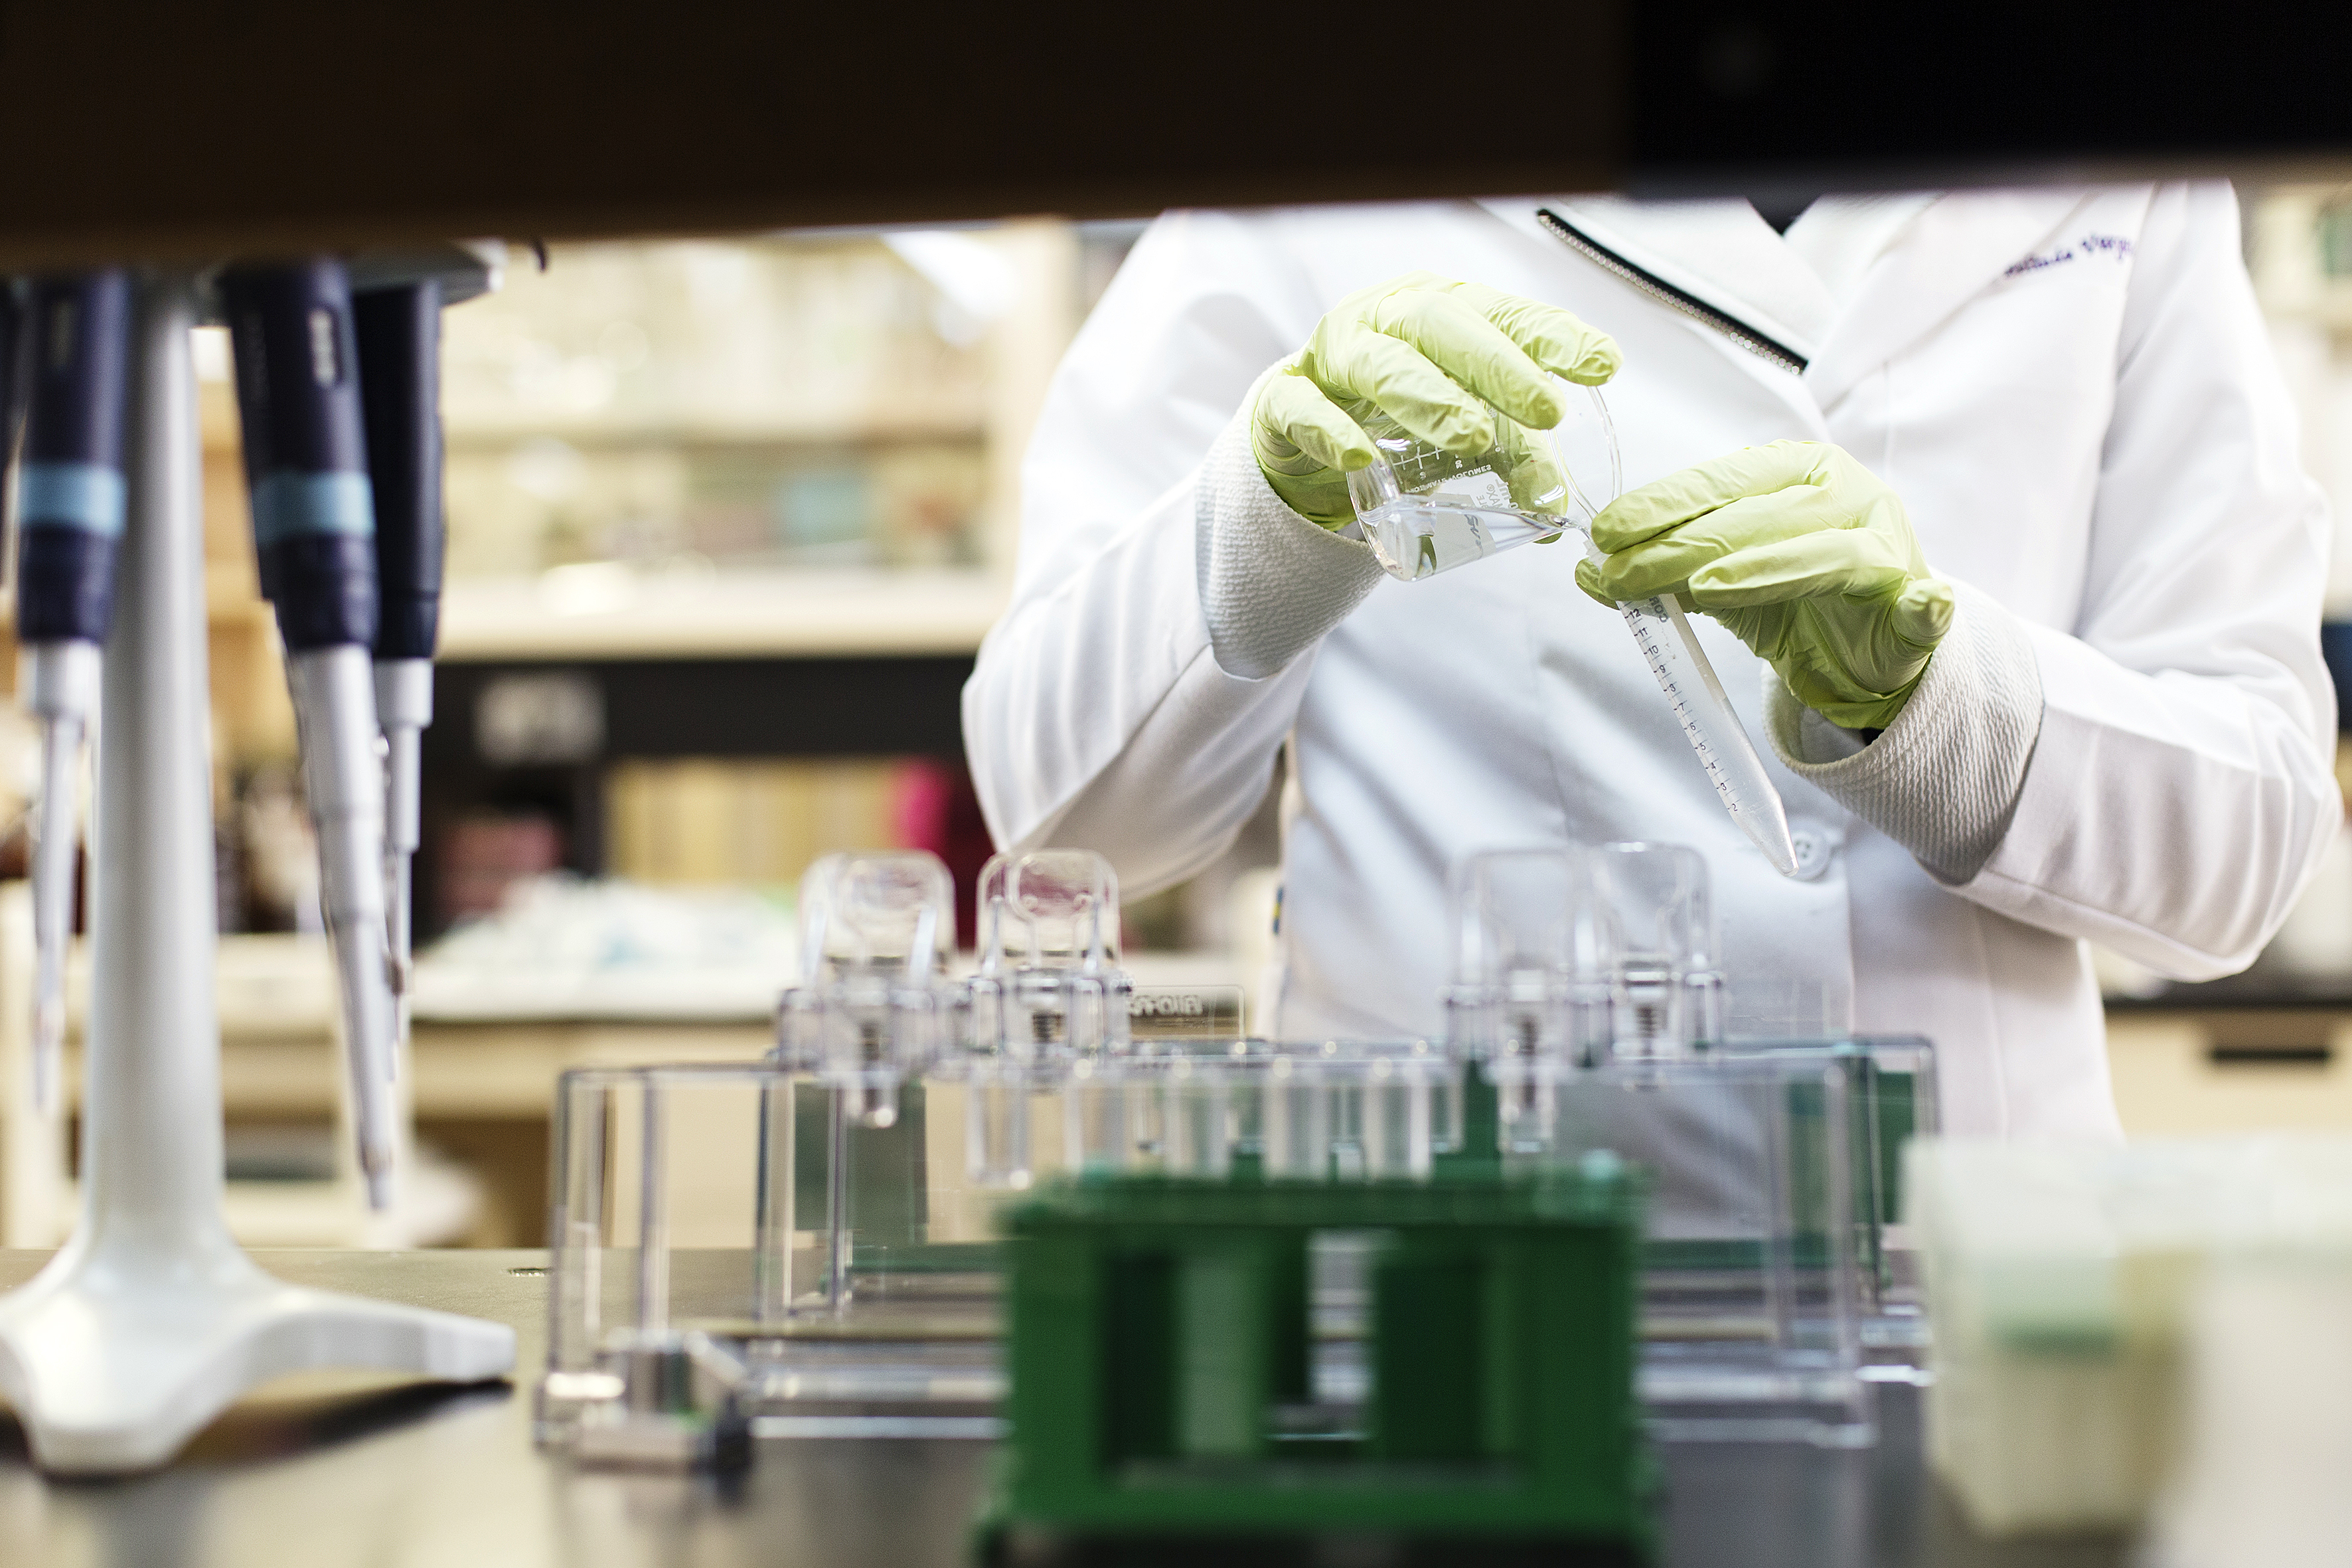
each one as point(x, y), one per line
point(1942, 779)
point(1271, 582)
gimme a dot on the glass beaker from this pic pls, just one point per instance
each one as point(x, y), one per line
point(1425, 510)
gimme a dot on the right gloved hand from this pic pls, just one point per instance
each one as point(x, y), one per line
point(1434, 354)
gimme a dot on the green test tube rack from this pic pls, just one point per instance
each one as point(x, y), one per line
point(1162, 1335)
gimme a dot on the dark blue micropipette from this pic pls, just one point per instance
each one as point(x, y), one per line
point(71, 498)
point(14, 361)
point(314, 539)
point(400, 382)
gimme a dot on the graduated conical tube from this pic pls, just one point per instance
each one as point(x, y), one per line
point(1715, 735)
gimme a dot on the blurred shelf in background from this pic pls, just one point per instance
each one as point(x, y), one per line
point(605, 610)
point(830, 400)
point(683, 770)
point(719, 508)
point(2299, 251)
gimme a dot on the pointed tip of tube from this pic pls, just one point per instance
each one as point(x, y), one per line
point(1771, 834)
point(379, 1190)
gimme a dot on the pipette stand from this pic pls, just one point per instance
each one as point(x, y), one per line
point(151, 1319)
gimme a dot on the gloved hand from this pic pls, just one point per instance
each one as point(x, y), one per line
point(1428, 350)
point(1806, 555)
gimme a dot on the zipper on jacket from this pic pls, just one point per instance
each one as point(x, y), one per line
point(1665, 293)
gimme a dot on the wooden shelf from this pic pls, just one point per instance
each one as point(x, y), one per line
point(605, 612)
point(464, 434)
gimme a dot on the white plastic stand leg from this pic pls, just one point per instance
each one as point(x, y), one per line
point(151, 1321)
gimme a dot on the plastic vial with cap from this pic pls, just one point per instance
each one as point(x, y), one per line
point(1198, 1094)
point(1530, 993)
point(996, 1123)
point(873, 1007)
point(1049, 992)
point(1425, 510)
point(1530, 970)
point(1101, 1130)
point(1049, 983)
point(1298, 1119)
point(1658, 921)
point(1406, 1100)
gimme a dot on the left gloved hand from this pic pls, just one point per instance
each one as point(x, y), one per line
point(1432, 354)
point(1804, 554)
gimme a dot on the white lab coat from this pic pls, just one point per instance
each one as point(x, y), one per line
point(2074, 395)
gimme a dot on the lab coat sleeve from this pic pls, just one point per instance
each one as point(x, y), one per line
point(2175, 787)
point(1159, 641)
point(1942, 779)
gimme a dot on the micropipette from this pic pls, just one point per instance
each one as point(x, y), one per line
point(70, 505)
point(314, 540)
point(399, 330)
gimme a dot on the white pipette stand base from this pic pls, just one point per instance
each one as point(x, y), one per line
point(114, 1368)
point(151, 1322)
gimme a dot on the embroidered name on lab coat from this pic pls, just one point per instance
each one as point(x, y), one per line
point(2092, 246)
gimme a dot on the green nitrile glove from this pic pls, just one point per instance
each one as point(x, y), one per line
point(1432, 352)
point(1806, 555)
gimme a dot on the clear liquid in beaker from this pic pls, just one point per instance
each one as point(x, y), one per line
point(1425, 510)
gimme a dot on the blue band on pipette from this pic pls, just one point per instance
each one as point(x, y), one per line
point(88, 496)
point(287, 505)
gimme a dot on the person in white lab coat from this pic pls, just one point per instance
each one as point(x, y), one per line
point(2123, 734)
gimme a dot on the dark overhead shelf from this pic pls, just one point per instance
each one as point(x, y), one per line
point(250, 125)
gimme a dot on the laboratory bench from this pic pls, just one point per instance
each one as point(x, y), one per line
point(324, 1473)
